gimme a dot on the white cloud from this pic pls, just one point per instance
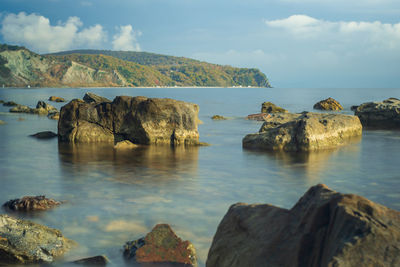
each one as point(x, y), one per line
point(126, 39)
point(36, 32)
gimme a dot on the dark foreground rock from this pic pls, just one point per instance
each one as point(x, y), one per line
point(93, 261)
point(31, 203)
point(304, 132)
point(328, 104)
point(56, 99)
point(140, 120)
point(380, 115)
point(161, 245)
point(44, 135)
point(324, 228)
point(268, 107)
point(218, 118)
point(24, 242)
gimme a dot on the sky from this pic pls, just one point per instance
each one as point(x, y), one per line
point(296, 43)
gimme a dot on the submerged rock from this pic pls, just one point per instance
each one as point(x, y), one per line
point(304, 132)
point(44, 135)
point(218, 118)
point(54, 115)
point(2, 122)
point(258, 116)
point(268, 107)
point(161, 245)
point(93, 98)
point(380, 115)
point(20, 109)
point(328, 104)
point(324, 228)
point(31, 203)
point(140, 120)
point(100, 260)
point(56, 99)
point(24, 242)
point(42, 108)
point(125, 145)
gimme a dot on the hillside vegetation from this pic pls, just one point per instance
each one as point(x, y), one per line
point(21, 67)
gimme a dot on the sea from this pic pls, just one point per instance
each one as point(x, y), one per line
point(111, 197)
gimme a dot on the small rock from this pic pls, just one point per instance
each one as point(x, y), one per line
point(1, 101)
point(218, 117)
point(93, 261)
point(2, 122)
point(43, 108)
point(9, 104)
point(44, 135)
point(20, 109)
point(93, 98)
point(126, 144)
point(31, 203)
point(54, 115)
point(328, 104)
point(268, 107)
point(56, 99)
point(161, 245)
point(258, 116)
point(20, 119)
point(25, 242)
point(353, 108)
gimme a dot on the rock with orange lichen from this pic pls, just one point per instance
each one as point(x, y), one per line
point(161, 245)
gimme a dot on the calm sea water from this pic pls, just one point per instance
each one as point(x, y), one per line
point(112, 197)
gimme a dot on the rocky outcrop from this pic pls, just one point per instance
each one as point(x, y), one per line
point(328, 104)
point(54, 115)
point(24, 242)
point(161, 245)
point(31, 203)
point(56, 99)
point(380, 115)
point(305, 132)
point(325, 228)
point(9, 104)
point(42, 108)
point(93, 98)
point(218, 118)
point(140, 120)
point(268, 107)
point(44, 135)
point(126, 144)
point(277, 119)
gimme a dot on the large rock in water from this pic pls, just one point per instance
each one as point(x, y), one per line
point(268, 107)
point(31, 203)
point(381, 115)
point(140, 120)
point(24, 242)
point(304, 132)
point(328, 104)
point(324, 228)
point(161, 245)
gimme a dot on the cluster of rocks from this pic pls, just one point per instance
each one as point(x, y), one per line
point(42, 108)
point(140, 120)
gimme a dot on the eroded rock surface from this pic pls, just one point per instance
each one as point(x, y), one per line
point(93, 98)
point(140, 120)
point(380, 115)
point(24, 242)
point(325, 228)
point(328, 104)
point(268, 107)
point(31, 203)
point(161, 245)
point(304, 132)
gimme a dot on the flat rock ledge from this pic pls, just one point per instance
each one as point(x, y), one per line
point(380, 115)
point(140, 120)
point(161, 245)
point(25, 242)
point(325, 228)
point(31, 203)
point(328, 104)
point(304, 132)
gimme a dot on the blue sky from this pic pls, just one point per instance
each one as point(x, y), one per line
point(296, 43)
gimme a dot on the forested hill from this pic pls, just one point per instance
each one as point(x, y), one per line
point(21, 67)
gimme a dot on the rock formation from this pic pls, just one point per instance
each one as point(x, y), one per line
point(56, 99)
point(161, 245)
point(31, 203)
point(24, 242)
point(140, 120)
point(100, 260)
point(268, 107)
point(325, 228)
point(93, 98)
point(44, 135)
point(126, 144)
point(2, 122)
point(218, 118)
point(42, 108)
point(380, 115)
point(328, 104)
point(305, 132)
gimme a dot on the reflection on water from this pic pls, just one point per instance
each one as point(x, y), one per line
point(129, 165)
